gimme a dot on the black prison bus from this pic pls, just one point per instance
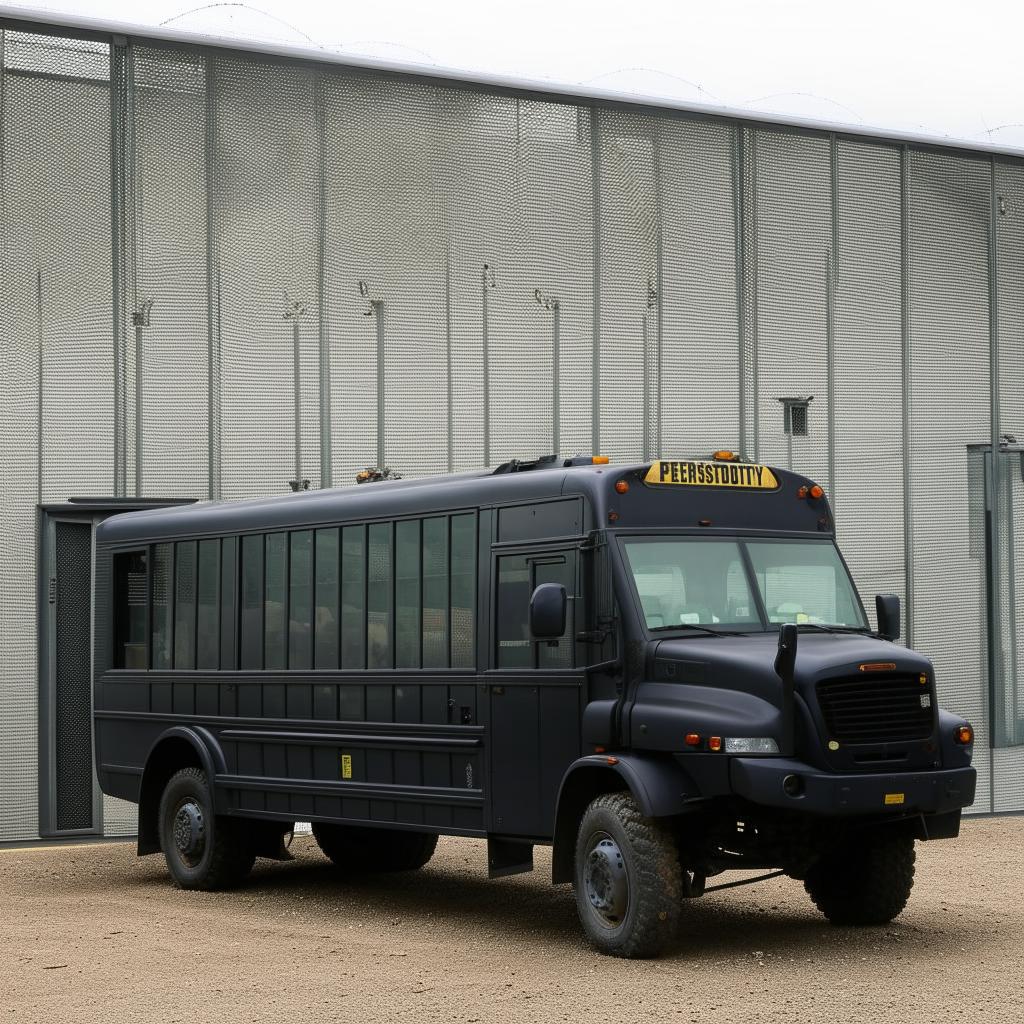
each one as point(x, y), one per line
point(663, 671)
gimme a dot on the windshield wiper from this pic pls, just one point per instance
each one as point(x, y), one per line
point(821, 627)
point(690, 625)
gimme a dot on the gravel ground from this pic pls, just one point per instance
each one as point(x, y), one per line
point(92, 933)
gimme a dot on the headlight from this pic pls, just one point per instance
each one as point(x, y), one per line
point(751, 745)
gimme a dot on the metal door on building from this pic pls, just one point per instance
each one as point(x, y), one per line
point(1004, 490)
point(70, 803)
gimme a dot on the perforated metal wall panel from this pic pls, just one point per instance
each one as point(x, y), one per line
point(1009, 233)
point(793, 257)
point(265, 199)
point(628, 304)
point(56, 408)
point(949, 408)
point(167, 327)
point(1008, 641)
point(868, 443)
point(698, 297)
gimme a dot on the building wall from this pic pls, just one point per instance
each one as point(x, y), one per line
point(437, 250)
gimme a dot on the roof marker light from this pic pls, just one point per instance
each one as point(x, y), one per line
point(714, 744)
point(725, 456)
point(692, 739)
point(600, 460)
point(817, 491)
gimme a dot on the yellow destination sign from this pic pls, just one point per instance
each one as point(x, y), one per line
point(744, 475)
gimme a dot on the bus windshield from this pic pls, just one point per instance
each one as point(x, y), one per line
point(718, 582)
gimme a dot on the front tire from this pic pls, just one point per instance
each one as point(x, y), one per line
point(865, 883)
point(357, 849)
point(627, 878)
point(202, 851)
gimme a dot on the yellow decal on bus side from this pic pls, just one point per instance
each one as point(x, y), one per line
point(893, 798)
point(346, 766)
point(741, 475)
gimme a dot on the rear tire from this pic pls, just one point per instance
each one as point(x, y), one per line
point(865, 883)
point(202, 851)
point(357, 849)
point(628, 880)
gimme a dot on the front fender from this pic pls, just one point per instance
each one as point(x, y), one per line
point(659, 785)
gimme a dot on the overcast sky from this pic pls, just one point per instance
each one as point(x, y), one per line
point(942, 68)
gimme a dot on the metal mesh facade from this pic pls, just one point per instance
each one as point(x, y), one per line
point(222, 272)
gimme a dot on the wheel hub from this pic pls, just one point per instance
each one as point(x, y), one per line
point(189, 831)
point(605, 880)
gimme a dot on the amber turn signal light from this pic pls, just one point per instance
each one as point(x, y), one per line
point(816, 491)
point(714, 744)
point(621, 486)
point(693, 739)
point(965, 735)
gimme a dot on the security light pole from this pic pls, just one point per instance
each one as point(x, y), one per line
point(487, 283)
point(294, 311)
point(140, 319)
point(377, 310)
point(651, 305)
point(549, 302)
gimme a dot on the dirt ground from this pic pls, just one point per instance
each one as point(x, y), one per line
point(92, 933)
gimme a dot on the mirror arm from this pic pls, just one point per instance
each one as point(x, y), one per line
point(785, 664)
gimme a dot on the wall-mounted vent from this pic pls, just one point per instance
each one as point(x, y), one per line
point(795, 412)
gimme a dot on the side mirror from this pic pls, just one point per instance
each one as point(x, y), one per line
point(547, 611)
point(887, 608)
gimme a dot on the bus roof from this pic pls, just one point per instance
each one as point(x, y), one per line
point(652, 500)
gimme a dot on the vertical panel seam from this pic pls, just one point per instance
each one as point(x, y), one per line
point(908, 524)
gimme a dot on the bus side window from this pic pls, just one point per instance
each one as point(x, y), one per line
point(518, 577)
point(558, 653)
point(435, 592)
point(463, 592)
point(353, 597)
point(163, 604)
point(327, 610)
point(185, 604)
point(208, 613)
point(513, 611)
point(130, 576)
point(275, 604)
point(408, 595)
point(252, 602)
point(379, 594)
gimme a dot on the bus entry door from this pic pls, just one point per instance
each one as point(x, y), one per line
point(536, 695)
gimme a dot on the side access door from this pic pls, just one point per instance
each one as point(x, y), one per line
point(536, 689)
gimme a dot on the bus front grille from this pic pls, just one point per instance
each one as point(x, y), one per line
point(877, 709)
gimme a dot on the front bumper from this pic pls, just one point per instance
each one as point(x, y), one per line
point(760, 780)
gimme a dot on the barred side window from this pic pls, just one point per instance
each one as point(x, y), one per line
point(185, 604)
point(163, 605)
point(463, 590)
point(130, 610)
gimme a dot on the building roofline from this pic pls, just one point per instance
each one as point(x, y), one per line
point(28, 19)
